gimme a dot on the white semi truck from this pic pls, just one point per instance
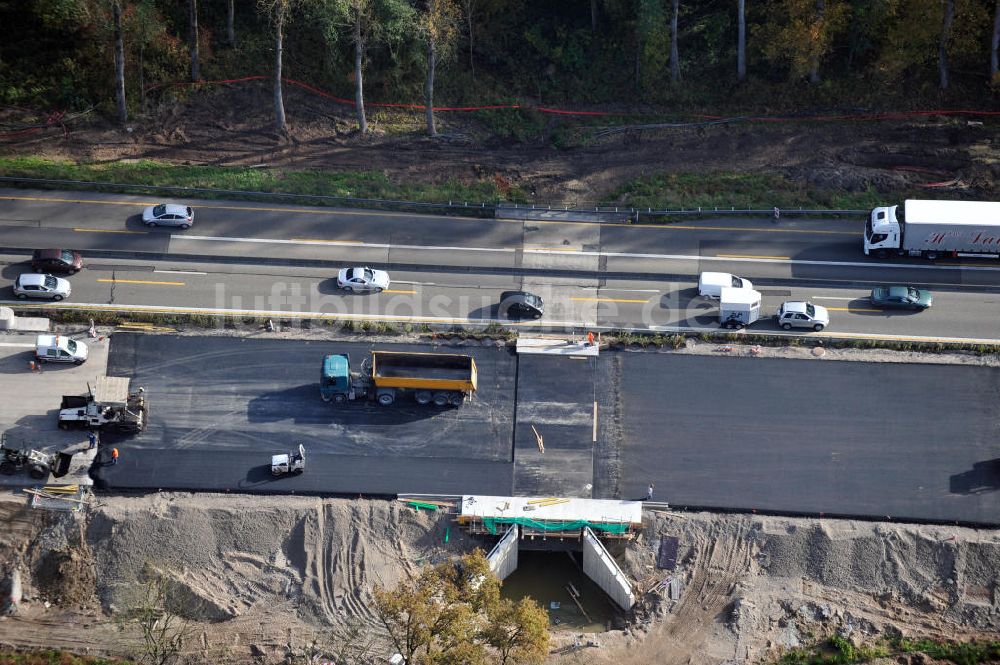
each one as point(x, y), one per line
point(934, 229)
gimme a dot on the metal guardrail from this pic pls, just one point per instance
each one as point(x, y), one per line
point(474, 209)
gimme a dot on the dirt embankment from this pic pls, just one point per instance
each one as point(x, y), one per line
point(232, 127)
point(254, 575)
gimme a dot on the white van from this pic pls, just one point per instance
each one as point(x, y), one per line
point(710, 284)
point(59, 349)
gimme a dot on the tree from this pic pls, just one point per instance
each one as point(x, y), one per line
point(438, 29)
point(519, 632)
point(802, 32)
point(116, 12)
point(651, 43)
point(741, 40)
point(816, 55)
point(161, 632)
point(278, 13)
point(368, 22)
point(193, 37)
point(675, 57)
point(230, 22)
point(453, 613)
point(949, 16)
point(995, 47)
point(469, 6)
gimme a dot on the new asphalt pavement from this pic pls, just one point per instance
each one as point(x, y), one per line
point(874, 440)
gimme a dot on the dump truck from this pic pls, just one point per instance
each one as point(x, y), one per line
point(439, 379)
point(107, 405)
point(934, 229)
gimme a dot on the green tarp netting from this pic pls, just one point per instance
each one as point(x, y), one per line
point(492, 522)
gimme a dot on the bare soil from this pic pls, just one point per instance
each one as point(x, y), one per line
point(232, 126)
point(261, 579)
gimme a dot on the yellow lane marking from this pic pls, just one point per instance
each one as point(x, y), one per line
point(139, 281)
point(607, 300)
point(744, 228)
point(395, 291)
point(329, 242)
point(552, 249)
point(139, 204)
point(852, 309)
point(963, 265)
point(750, 256)
point(137, 233)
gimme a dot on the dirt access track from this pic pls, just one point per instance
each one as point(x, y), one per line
point(220, 128)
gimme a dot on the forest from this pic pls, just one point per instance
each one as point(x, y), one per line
point(118, 57)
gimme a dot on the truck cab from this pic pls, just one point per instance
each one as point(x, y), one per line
point(882, 232)
point(335, 378)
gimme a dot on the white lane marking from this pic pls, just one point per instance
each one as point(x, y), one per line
point(626, 255)
point(17, 346)
point(835, 298)
point(180, 272)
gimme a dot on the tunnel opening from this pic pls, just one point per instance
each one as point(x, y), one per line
point(557, 581)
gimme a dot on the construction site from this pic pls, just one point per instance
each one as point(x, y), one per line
point(629, 557)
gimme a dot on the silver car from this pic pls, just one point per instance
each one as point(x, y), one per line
point(363, 279)
point(33, 285)
point(168, 214)
point(801, 314)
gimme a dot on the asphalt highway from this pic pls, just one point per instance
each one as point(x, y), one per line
point(792, 249)
point(428, 297)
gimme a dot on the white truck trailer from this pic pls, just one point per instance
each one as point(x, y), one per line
point(934, 229)
point(738, 308)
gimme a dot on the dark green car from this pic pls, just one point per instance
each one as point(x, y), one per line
point(901, 297)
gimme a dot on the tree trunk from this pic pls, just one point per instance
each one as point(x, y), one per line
point(994, 62)
point(814, 68)
point(193, 46)
point(116, 10)
point(469, 6)
point(675, 58)
point(638, 59)
point(279, 105)
point(593, 16)
point(359, 89)
point(142, 77)
point(741, 43)
point(230, 28)
point(429, 86)
point(949, 15)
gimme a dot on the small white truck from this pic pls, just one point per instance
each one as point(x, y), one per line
point(288, 463)
point(934, 229)
point(60, 349)
point(738, 308)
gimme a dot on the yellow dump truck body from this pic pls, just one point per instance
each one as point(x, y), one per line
point(424, 371)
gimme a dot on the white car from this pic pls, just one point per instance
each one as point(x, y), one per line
point(800, 314)
point(362, 280)
point(33, 285)
point(168, 214)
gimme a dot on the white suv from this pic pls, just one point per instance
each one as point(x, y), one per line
point(800, 314)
